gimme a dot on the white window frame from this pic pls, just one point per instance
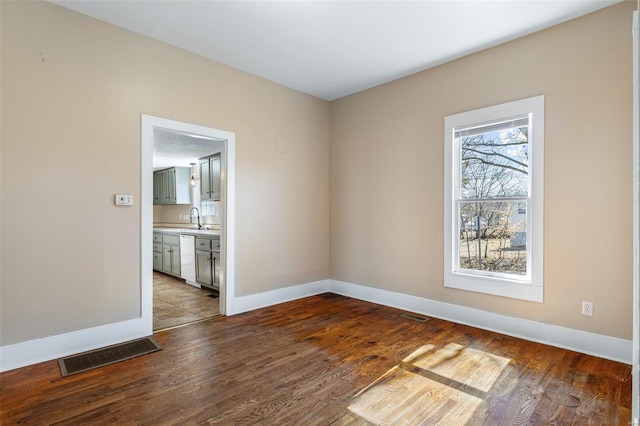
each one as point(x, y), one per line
point(529, 287)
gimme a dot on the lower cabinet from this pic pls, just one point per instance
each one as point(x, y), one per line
point(204, 268)
point(166, 253)
point(157, 251)
point(208, 262)
point(157, 261)
point(171, 259)
point(166, 257)
point(216, 269)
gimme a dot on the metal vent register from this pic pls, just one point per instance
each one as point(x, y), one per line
point(415, 317)
point(105, 356)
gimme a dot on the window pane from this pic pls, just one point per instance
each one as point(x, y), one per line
point(207, 208)
point(492, 237)
point(495, 163)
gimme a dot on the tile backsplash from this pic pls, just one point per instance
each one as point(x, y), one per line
point(179, 214)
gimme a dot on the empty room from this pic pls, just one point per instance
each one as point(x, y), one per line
point(404, 213)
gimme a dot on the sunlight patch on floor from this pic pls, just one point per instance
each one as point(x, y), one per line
point(443, 386)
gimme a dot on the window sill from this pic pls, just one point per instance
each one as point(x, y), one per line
point(496, 287)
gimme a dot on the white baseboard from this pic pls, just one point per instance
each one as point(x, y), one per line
point(53, 347)
point(576, 340)
point(281, 295)
point(61, 345)
point(48, 348)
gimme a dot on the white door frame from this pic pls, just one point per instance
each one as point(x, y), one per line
point(635, 392)
point(227, 235)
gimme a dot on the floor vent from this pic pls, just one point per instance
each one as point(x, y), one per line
point(415, 317)
point(105, 356)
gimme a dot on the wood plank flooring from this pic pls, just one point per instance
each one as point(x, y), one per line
point(327, 360)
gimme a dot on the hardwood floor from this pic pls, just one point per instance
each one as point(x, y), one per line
point(328, 360)
point(177, 303)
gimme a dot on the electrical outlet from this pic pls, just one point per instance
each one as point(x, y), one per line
point(587, 308)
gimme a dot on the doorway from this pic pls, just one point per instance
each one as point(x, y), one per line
point(195, 135)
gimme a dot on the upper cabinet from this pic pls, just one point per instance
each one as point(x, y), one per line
point(210, 178)
point(172, 186)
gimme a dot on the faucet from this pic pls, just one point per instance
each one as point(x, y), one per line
point(191, 216)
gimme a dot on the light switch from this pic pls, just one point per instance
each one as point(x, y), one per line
point(124, 200)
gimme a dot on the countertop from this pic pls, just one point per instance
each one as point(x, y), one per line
point(188, 231)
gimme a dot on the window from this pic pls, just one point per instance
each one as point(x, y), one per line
point(208, 208)
point(494, 178)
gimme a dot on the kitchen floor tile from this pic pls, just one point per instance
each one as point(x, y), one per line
point(176, 302)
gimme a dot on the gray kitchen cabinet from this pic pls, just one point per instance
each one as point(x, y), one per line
point(171, 259)
point(157, 184)
point(204, 268)
point(210, 178)
point(157, 251)
point(167, 257)
point(172, 186)
point(166, 254)
point(157, 261)
point(216, 269)
point(208, 262)
point(160, 187)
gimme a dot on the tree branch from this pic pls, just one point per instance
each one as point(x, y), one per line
point(498, 165)
point(496, 154)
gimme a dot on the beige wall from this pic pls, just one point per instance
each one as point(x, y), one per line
point(73, 89)
point(387, 171)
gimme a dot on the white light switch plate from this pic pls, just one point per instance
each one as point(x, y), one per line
point(124, 200)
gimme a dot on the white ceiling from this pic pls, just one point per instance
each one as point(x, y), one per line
point(333, 48)
point(172, 148)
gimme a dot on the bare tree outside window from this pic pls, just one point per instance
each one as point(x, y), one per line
point(494, 186)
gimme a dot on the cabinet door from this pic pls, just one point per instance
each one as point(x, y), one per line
point(205, 179)
point(164, 188)
point(175, 260)
point(157, 184)
point(166, 258)
point(214, 167)
point(204, 268)
point(216, 269)
point(170, 196)
point(157, 261)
